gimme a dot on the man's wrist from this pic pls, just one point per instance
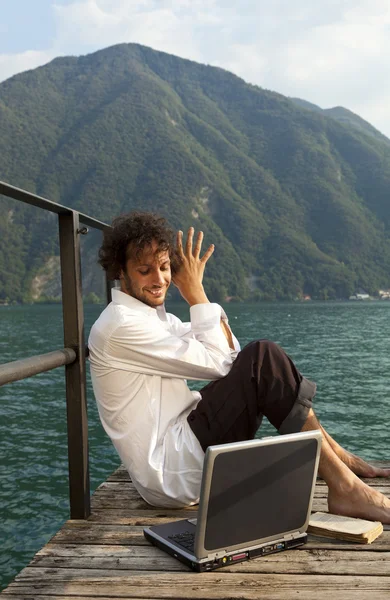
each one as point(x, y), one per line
point(196, 296)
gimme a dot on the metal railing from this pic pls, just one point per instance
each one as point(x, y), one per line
point(73, 354)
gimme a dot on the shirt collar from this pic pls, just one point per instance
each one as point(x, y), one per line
point(119, 297)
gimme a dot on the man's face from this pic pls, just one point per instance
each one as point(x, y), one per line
point(148, 277)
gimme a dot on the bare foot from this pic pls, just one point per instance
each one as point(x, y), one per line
point(359, 501)
point(348, 495)
point(361, 468)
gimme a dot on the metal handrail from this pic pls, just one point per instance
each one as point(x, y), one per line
point(73, 354)
point(27, 367)
point(18, 194)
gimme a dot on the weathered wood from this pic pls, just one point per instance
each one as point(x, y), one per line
point(100, 535)
point(269, 595)
point(125, 481)
point(108, 557)
point(147, 558)
point(86, 532)
point(117, 502)
point(121, 471)
point(138, 516)
point(121, 501)
point(232, 575)
point(195, 586)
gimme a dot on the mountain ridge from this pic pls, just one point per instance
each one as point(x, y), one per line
point(291, 197)
point(344, 115)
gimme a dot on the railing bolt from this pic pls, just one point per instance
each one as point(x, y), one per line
point(83, 230)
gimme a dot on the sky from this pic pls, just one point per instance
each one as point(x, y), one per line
point(329, 52)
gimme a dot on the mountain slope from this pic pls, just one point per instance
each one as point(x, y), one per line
point(344, 116)
point(294, 200)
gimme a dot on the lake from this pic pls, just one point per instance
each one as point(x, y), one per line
point(344, 347)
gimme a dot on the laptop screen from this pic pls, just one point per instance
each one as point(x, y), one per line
point(259, 492)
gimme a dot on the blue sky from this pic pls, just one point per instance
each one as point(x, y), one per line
point(331, 52)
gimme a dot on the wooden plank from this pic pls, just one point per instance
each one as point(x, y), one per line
point(121, 502)
point(122, 472)
point(99, 503)
point(148, 558)
point(80, 550)
point(117, 502)
point(138, 516)
point(199, 586)
point(125, 490)
point(126, 484)
point(89, 533)
point(39, 573)
point(366, 552)
point(269, 595)
point(85, 532)
point(143, 517)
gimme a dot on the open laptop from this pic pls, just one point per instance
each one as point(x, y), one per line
point(255, 499)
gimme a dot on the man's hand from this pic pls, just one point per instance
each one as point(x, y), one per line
point(189, 276)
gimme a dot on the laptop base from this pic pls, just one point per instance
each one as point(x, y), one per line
point(227, 560)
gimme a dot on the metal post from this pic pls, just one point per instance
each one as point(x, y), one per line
point(76, 401)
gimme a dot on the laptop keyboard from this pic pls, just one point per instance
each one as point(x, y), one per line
point(185, 539)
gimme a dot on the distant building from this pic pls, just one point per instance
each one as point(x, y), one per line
point(384, 294)
point(360, 296)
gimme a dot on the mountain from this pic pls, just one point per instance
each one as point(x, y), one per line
point(295, 200)
point(344, 116)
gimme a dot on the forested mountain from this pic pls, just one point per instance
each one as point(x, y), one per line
point(295, 199)
point(345, 116)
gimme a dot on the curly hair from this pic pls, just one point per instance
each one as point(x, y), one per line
point(128, 237)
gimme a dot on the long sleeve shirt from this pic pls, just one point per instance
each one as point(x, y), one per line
point(140, 360)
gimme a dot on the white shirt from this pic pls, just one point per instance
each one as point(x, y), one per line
point(140, 359)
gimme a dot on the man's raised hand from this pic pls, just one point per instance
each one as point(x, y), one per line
point(189, 276)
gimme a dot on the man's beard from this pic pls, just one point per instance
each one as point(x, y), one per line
point(130, 290)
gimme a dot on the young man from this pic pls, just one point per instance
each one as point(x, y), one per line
point(141, 358)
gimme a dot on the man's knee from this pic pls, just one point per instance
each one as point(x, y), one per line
point(269, 360)
point(261, 356)
point(263, 347)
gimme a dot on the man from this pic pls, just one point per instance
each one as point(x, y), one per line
point(141, 357)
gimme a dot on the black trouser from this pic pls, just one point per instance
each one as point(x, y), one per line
point(263, 381)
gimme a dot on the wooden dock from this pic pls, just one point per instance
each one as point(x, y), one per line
point(107, 557)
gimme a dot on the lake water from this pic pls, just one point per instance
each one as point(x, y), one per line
point(344, 347)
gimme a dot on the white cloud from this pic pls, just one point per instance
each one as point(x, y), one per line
point(334, 52)
point(167, 26)
point(23, 61)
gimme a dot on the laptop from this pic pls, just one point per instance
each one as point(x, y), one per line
point(255, 499)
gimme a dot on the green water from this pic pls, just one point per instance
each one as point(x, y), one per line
point(344, 347)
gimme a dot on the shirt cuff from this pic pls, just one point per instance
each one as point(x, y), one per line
point(205, 316)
